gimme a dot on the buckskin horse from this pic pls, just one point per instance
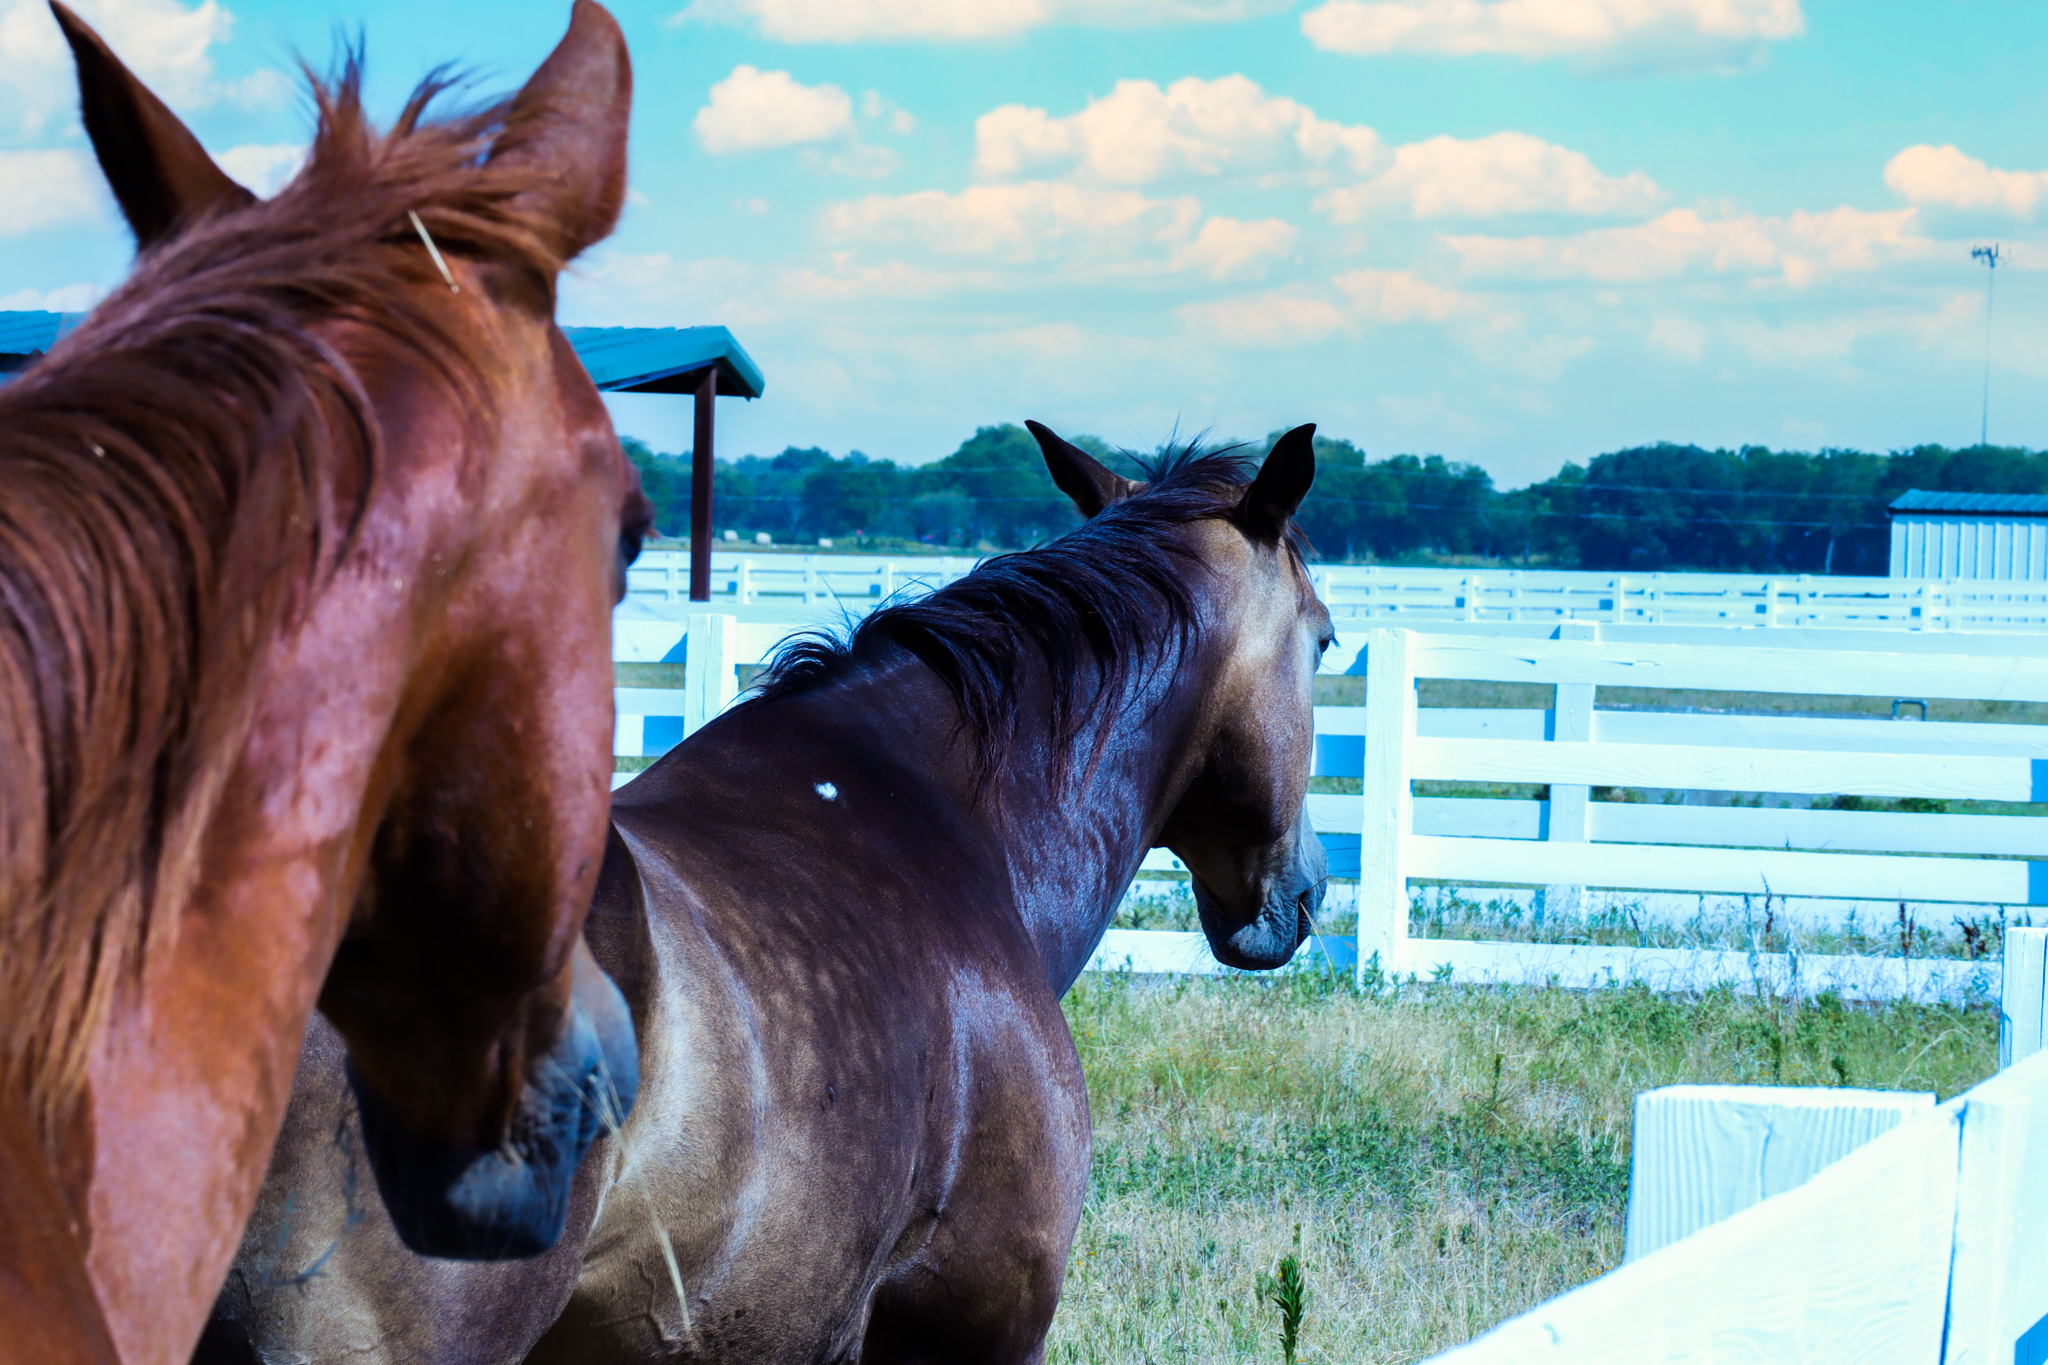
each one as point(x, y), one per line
point(309, 539)
point(862, 1131)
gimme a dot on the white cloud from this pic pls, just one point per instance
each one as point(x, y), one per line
point(864, 163)
point(1139, 134)
point(1801, 248)
point(1051, 224)
point(70, 298)
point(1664, 33)
point(264, 169)
point(874, 105)
point(1946, 177)
point(48, 189)
point(1227, 249)
point(753, 110)
point(1447, 177)
point(1677, 335)
point(169, 45)
point(1033, 223)
point(852, 21)
point(1348, 304)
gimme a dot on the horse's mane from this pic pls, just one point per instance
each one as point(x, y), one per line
point(1089, 609)
point(177, 478)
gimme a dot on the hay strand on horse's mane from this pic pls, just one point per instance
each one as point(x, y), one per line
point(434, 251)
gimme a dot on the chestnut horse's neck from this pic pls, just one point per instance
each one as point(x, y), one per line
point(191, 708)
point(195, 701)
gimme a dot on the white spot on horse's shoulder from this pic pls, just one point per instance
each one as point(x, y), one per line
point(828, 791)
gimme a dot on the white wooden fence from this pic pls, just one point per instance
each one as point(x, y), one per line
point(1570, 842)
point(1564, 845)
point(1925, 1245)
point(1362, 593)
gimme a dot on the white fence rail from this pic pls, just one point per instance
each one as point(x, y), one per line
point(1358, 593)
point(1924, 1244)
point(1569, 843)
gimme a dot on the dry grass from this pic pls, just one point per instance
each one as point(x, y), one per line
point(1453, 1156)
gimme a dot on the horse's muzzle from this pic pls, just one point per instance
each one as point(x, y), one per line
point(511, 1201)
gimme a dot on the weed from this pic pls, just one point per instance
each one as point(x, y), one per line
point(1287, 1291)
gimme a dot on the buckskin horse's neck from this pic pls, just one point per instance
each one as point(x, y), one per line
point(1085, 839)
point(1074, 823)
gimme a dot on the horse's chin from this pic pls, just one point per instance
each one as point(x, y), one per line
point(1269, 938)
point(511, 1201)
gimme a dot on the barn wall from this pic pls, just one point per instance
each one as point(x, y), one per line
point(1957, 546)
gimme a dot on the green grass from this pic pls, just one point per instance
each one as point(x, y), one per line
point(1722, 923)
point(1452, 1155)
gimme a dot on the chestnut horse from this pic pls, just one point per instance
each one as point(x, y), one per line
point(862, 1131)
point(309, 539)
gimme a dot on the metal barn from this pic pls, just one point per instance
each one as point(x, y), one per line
point(1969, 535)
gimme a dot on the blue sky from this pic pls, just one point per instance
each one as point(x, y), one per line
point(1508, 231)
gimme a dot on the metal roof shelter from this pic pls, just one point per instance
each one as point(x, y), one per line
point(1969, 535)
point(24, 336)
point(702, 361)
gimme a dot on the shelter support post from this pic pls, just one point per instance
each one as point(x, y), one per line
point(700, 487)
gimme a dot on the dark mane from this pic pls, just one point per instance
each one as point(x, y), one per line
point(1092, 608)
point(177, 478)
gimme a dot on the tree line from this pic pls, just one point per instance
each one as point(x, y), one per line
point(1647, 508)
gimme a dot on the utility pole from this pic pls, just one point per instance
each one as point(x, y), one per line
point(1991, 256)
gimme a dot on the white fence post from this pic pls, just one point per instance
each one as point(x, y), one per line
point(1571, 720)
point(709, 682)
point(1853, 1265)
point(1705, 1152)
point(2023, 996)
point(1387, 815)
point(1998, 1293)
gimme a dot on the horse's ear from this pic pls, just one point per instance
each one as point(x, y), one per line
point(1090, 483)
point(160, 175)
point(567, 129)
point(1282, 483)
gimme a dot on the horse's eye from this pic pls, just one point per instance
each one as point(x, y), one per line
point(631, 535)
point(635, 530)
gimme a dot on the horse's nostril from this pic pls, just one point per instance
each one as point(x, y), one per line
point(1305, 913)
